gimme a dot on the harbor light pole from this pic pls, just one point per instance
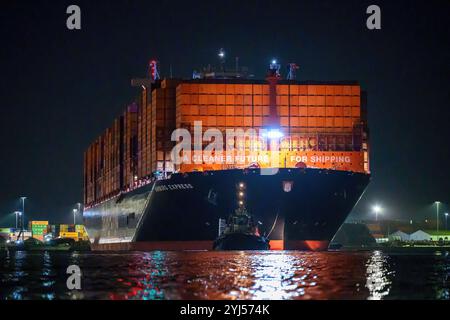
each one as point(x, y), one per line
point(437, 215)
point(18, 214)
point(377, 210)
point(446, 215)
point(74, 216)
point(23, 216)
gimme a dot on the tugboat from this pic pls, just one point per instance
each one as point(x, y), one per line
point(240, 231)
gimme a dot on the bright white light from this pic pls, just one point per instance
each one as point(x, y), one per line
point(241, 203)
point(274, 61)
point(241, 185)
point(376, 209)
point(446, 214)
point(241, 194)
point(274, 134)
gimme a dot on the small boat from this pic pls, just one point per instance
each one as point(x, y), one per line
point(58, 244)
point(241, 233)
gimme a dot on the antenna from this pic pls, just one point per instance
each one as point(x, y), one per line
point(222, 59)
point(196, 75)
point(154, 72)
point(272, 77)
point(221, 54)
point(292, 71)
point(274, 68)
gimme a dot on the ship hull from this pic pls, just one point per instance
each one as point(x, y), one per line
point(297, 209)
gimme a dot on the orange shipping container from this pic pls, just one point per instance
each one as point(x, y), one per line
point(247, 89)
point(229, 89)
point(257, 89)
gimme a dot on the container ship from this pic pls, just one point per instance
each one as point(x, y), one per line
point(300, 179)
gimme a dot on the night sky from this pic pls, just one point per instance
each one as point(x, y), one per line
point(59, 89)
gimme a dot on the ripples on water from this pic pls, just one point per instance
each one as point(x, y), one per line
point(227, 275)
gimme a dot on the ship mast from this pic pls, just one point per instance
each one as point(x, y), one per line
point(273, 76)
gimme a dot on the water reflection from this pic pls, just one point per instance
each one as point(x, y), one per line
point(378, 276)
point(258, 275)
point(150, 268)
point(442, 272)
point(275, 277)
point(226, 275)
point(17, 262)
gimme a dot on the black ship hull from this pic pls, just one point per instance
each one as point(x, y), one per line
point(297, 209)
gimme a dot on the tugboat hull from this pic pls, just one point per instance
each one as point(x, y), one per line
point(239, 241)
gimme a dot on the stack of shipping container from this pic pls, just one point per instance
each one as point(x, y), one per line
point(38, 229)
point(163, 124)
point(72, 231)
point(144, 133)
point(130, 144)
point(301, 108)
point(111, 162)
point(315, 117)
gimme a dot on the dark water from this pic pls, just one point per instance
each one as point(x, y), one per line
point(227, 275)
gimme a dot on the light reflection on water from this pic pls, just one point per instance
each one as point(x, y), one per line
point(272, 277)
point(227, 275)
point(378, 276)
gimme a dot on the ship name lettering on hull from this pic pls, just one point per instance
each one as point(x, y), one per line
point(171, 187)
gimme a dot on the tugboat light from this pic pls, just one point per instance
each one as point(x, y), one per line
point(241, 203)
point(241, 185)
point(241, 194)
